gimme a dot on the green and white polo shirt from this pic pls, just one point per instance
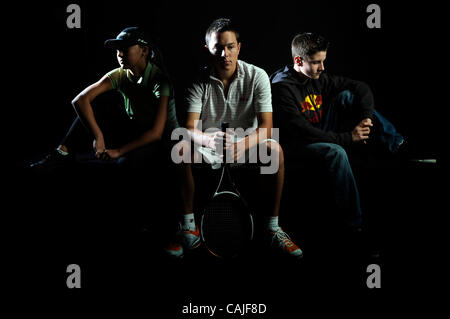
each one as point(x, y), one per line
point(141, 97)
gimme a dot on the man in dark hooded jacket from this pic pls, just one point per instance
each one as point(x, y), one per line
point(322, 116)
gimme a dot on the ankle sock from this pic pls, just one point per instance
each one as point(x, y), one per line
point(272, 223)
point(188, 221)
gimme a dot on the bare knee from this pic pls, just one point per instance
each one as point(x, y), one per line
point(275, 151)
point(181, 152)
point(275, 158)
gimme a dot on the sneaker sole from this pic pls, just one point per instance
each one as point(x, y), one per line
point(196, 245)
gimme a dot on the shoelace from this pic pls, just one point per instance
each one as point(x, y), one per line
point(189, 231)
point(283, 238)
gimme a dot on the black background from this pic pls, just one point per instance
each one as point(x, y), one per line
point(47, 64)
point(397, 61)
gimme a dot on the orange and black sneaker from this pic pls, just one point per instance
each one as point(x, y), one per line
point(174, 250)
point(281, 240)
point(190, 239)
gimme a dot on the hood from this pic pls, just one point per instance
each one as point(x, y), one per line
point(286, 75)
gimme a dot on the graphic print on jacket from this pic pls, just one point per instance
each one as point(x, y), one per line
point(300, 107)
point(311, 108)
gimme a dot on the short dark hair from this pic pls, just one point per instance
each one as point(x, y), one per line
point(307, 44)
point(221, 25)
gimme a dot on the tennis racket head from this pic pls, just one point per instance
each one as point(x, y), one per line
point(226, 225)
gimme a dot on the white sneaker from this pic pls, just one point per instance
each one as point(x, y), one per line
point(283, 241)
point(174, 250)
point(190, 239)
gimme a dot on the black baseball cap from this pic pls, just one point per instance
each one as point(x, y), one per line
point(128, 37)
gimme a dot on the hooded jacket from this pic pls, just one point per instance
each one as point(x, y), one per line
point(299, 108)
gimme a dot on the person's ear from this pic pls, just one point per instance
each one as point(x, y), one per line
point(298, 60)
point(145, 51)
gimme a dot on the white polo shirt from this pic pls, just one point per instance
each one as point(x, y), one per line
point(249, 93)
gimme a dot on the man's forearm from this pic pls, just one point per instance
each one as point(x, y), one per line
point(200, 138)
point(260, 134)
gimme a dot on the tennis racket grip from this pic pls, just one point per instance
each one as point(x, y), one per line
point(224, 126)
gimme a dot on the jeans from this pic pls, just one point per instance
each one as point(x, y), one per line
point(341, 117)
point(343, 184)
point(118, 130)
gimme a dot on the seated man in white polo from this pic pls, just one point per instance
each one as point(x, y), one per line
point(238, 93)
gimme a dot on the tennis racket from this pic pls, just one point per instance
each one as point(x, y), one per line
point(226, 225)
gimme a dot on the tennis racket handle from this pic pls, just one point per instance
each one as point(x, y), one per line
point(224, 126)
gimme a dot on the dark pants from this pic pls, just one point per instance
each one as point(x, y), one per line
point(142, 182)
point(341, 117)
point(118, 130)
point(334, 159)
point(339, 176)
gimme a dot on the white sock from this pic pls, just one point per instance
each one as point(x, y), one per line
point(272, 223)
point(188, 221)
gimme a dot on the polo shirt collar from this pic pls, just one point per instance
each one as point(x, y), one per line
point(143, 79)
point(239, 68)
